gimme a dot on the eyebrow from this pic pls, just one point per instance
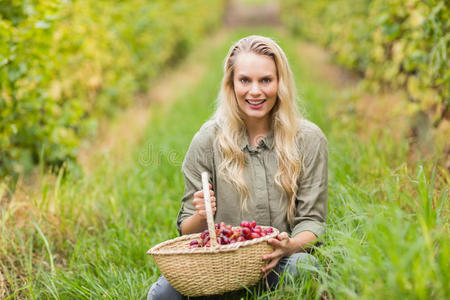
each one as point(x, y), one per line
point(264, 76)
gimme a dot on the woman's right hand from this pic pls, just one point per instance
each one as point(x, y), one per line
point(199, 202)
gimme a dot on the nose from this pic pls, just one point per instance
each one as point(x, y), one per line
point(255, 90)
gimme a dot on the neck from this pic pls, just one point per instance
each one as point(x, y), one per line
point(258, 127)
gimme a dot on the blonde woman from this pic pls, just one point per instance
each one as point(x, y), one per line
point(267, 163)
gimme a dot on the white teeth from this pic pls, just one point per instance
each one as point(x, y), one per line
point(255, 102)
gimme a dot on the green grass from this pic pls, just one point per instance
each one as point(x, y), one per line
point(86, 236)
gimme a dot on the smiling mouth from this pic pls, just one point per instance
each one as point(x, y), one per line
point(255, 102)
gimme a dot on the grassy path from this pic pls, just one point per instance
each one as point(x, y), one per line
point(87, 235)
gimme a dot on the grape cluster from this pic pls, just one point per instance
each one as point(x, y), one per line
point(226, 234)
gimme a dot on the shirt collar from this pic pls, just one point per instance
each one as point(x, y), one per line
point(267, 141)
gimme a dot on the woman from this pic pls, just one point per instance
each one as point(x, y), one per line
point(266, 162)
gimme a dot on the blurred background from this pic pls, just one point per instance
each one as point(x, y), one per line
point(66, 64)
point(99, 101)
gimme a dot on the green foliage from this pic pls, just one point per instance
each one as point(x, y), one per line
point(387, 233)
point(109, 219)
point(63, 64)
point(392, 42)
point(387, 230)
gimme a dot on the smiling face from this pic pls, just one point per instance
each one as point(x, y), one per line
point(255, 86)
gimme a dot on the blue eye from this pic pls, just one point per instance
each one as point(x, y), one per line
point(267, 80)
point(244, 80)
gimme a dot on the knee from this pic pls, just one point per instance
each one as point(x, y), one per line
point(155, 292)
point(302, 264)
point(162, 290)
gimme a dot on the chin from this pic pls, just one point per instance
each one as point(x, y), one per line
point(257, 116)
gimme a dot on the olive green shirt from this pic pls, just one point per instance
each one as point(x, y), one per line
point(267, 203)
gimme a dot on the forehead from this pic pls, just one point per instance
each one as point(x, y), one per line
point(251, 64)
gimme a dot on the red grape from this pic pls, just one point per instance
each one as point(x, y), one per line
point(246, 231)
point(245, 224)
point(254, 235)
point(194, 244)
point(226, 234)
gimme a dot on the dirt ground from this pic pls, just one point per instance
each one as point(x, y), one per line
point(238, 13)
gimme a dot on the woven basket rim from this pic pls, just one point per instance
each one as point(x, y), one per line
point(156, 250)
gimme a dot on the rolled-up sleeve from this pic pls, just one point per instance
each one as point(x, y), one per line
point(198, 159)
point(311, 202)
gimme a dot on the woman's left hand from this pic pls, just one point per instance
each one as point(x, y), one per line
point(283, 246)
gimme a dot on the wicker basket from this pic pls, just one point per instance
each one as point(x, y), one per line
point(211, 270)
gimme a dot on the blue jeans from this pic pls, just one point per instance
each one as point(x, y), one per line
point(292, 265)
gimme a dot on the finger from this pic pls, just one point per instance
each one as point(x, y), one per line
point(267, 268)
point(199, 206)
point(274, 255)
point(198, 201)
point(210, 188)
point(199, 194)
point(265, 274)
point(282, 236)
point(274, 242)
point(200, 210)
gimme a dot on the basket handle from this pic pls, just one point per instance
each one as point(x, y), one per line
point(209, 216)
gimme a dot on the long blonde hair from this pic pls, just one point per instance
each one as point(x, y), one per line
point(285, 118)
